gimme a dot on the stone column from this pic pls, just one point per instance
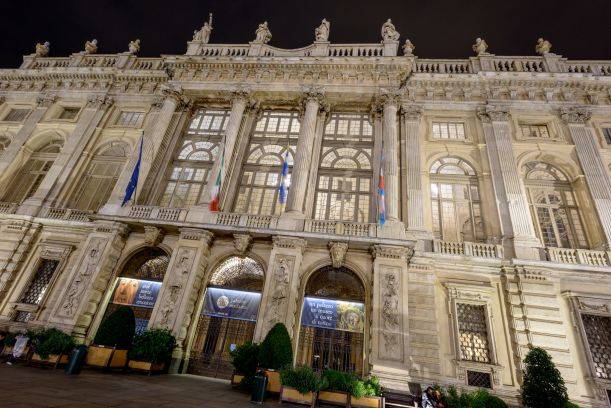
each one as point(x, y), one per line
point(312, 100)
point(43, 102)
point(279, 305)
point(389, 332)
point(412, 152)
point(70, 153)
point(593, 168)
point(181, 287)
point(512, 204)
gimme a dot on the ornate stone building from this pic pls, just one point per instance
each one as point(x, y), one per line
point(497, 195)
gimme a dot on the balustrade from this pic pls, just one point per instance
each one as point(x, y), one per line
point(579, 256)
point(476, 249)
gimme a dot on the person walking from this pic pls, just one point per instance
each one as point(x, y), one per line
point(428, 398)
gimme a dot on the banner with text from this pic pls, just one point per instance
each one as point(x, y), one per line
point(234, 304)
point(333, 314)
point(136, 292)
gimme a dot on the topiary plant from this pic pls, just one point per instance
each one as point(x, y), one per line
point(276, 351)
point(118, 329)
point(245, 358)
point(53, 341)
point(153, 346)
point(542, 385)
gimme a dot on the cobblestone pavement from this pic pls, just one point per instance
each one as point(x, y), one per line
point(33, 387)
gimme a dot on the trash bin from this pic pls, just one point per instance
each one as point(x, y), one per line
point(77, 358)
point(258, 388)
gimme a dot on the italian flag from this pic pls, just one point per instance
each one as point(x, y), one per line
point(216, 190)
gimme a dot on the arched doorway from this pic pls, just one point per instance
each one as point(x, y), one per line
point(333, 321)
point(138, 284)
point(228, 316)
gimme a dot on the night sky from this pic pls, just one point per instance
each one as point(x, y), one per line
point(438, 28)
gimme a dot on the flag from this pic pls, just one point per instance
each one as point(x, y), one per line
point(381, 205)
point(216, 190)
point(284, 187)
point(133, 181)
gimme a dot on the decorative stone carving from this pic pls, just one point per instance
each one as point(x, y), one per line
point(321, 33)
point(203, 35)
point(55, 251)
point(490, 113)
point(315, 93)
point(46, 100)
point(42, 50)
point(575, 115)
point(280, 292)
point(174, 92)
point(152, 235)
point(196, 234)
point(594, 304)
point(389, 33)
point(262, 34)
point(412, 112)
point(86, 271)
point(408, 48)
point(134, 46)
point(99, 101)
point(289, 242)
point(91, 47)
point(338, 250)
point(480, 46)
point(241, 242)
point(390, 313)
point(388, 96)
point(543, 47)
point(176, 282)
point(391, 252)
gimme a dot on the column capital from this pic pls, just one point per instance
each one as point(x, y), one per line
point(99, 101)
point(281, 241)
point(314, 94)
point(411, 112)
point(46, 100)
point(242, 94)
point(174, 93)
point(575, 115)
point(492, 113)
point(388, 97)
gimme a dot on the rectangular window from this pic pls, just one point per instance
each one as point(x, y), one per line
point(598, 333)
point(479, 379)
point(473, 333)
point(607, 135)
point(449, 130)
point(69, 113)
point(130, 119)
point(535, 131)
point(16, 115)
point(40, 283)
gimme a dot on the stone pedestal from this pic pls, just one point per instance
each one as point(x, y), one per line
point(390, 48)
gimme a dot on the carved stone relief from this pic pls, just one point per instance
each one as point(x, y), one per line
point(176, 282)
point(241, 242)
point(152, 235)
point(390, 315)
point(338, 250)
point(280, 290)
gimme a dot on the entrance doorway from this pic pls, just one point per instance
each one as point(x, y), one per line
point(228, 316)
point(333, 322)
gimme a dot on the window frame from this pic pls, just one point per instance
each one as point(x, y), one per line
point(15, 108)
point(464, 121)
point(116, 122)
point(65, 108)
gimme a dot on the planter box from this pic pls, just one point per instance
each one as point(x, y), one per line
point(236, 378)
point(274, 383)
point(106, 357)
point(290, 394)
point(145, 366)
point(339, 398)
point(367, 402)
point(54, 359)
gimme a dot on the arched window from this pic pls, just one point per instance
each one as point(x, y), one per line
point(100, 177)
point(553, 206)
point(455, 201)
point(345, 173)
point(4, 142)
point(274, 133)
point(33, 172)
point(194, 159)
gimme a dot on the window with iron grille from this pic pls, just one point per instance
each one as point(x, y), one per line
point(69, 113)
point(598, 333)
point(130, 119)
point(607, 135)
point(22, 316)
point(40, 283)
point(448, 130)
point(535, 131)
point(17, 115)
point(473, 333)
point(479, 379)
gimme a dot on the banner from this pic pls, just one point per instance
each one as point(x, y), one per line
point(333, 314)
point(136, 292)
point(234, 304)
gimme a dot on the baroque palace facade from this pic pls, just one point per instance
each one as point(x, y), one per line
point(497, 196)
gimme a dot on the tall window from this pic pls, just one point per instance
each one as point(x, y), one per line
point(345, 174)
point(553, 206)
point(455, 200)
point(38, 287)
point(194, 159)
point(274, 133)
point(32, 173)
point(598, 333)
point(100, 178)
point(473, 333)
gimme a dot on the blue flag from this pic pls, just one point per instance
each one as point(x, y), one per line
point(284, 187)
point(133, 181)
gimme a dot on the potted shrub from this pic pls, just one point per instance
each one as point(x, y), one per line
point(151, 350)
point(367, 394)
point(9, 342)
point(300, 385)
point(338, 389)
point(275, 353)
point(111, 342)
point(245, 359)
point(52, 347)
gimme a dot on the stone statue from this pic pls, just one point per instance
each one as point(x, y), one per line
point(408, 48)
point(321, 33)
point(480, 46)
point(263, 35)
point(134, 46)
point(389, 33)
point(91, 47)
point(203, 35)
point(543, 46)
point(42, 50)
